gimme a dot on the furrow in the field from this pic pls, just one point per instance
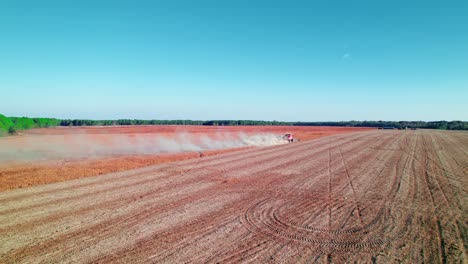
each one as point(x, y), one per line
point(104, 180)
point(25, 195)
point(179, 236)
point(74, 186)
point(364, 169)
point(311, 178)
point(92, 217)
point(448, 184)
point(377, 197)
point(433, 228)
point(452, 165)
point(71, 193)
point(148, 181)
point(190, 241)
point(90, 246)
point(450, 235)
point(245, 250)
point(291, 212)
point(107, 198)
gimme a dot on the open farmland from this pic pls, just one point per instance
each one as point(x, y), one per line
point(41, 156)
point(373, 196)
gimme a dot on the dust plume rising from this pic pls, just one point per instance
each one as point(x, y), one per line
point(46, 147)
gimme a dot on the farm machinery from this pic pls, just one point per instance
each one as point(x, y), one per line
point(290, 138)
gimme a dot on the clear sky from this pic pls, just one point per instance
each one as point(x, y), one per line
point(235, 59)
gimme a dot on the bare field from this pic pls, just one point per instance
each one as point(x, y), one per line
point(372, 197)
point(58, 154)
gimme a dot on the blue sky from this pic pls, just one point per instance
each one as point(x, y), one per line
point(270, 60)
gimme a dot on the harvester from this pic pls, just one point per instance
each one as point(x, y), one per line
point(290, 138)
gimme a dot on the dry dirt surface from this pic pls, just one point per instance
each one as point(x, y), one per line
point(41, 167)
point(303, 132)
point(367, 197)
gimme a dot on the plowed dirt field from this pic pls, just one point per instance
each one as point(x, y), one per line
point(48, 155)
point(374, 197)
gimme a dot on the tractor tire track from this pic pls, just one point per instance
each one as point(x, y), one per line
point(376, 196)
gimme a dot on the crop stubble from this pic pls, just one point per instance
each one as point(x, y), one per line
point(378, 196)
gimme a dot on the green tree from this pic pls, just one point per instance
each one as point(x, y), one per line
point(12, 130)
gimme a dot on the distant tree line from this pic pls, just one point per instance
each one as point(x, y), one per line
point(13, 124)
point(126, 122)
point(121, 122)
point(444, 125)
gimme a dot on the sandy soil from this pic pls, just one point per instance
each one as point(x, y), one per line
point(24, 172)
point(367, 197)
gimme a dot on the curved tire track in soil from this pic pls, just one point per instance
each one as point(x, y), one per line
point(377, 196)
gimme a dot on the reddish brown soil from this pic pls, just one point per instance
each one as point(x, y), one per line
point(25, 174)
point(303, 133)
point(22, 174)
point(366, 197)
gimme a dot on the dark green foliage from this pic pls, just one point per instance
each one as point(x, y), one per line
point(14, 124)
point(46, 122)
point(126, 122)
point(444, 125)
point(12, 130)
point(245, 123)
point(21, 123)
point(5, 124)
point(457, 125)
point(453, 125)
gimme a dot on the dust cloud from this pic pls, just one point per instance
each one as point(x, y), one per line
point(46, 147)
